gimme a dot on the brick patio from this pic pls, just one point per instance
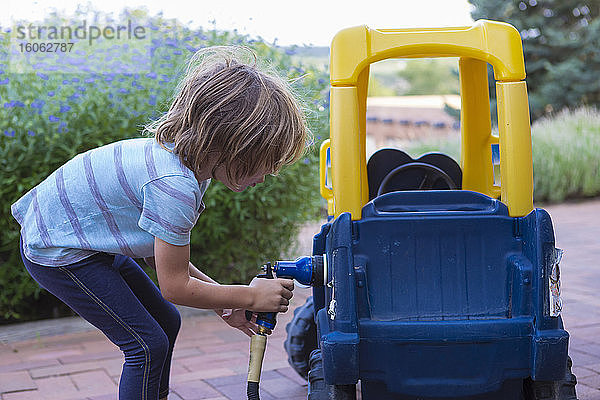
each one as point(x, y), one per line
point(210, 358)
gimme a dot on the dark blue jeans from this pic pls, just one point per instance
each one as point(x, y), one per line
point(115, 295)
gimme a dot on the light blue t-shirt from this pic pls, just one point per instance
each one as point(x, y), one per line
point(114, 199)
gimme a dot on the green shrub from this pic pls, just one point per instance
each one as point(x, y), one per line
point(49, 116)
point(565, 155)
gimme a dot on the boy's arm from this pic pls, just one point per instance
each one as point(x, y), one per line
point(195, 272)
point(184, 285)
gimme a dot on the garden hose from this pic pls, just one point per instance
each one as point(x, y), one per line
point(310, 270)
point(258, 343)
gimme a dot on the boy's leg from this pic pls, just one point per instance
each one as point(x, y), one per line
point(161, 310)
point(95, 290)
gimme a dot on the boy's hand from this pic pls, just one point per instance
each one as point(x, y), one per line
point(271, 295)
point(237, 319)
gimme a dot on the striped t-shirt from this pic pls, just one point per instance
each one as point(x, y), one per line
point(114, 199)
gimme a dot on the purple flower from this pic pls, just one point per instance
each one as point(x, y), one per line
point(89, 80)
point(37, 103)
point(52, 118)
point(51, 93)
point(152, 100)
point(9, 133)
point(64, 109)
point(66, 82)
point(151, 75)
point(43, 76)
point(76, 61)
point(75, 80)
point(31, 133)
point(61, 127)
point(4, 81)
point(123, 90)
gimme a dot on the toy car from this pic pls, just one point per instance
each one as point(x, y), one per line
point(440, 280)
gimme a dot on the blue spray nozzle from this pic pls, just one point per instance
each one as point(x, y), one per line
point(307, 270)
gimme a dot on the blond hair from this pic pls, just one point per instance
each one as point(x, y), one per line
point(227, 105)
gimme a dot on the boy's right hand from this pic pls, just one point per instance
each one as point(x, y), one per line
point(271, 295)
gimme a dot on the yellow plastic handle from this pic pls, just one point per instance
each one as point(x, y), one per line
point(326, 192)
point(495, 42)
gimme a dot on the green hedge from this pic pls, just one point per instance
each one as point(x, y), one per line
point(566, 155)
point(49, 116)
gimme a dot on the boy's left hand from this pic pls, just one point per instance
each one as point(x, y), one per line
point(237, 319)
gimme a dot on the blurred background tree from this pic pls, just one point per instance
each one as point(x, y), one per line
point(561, 39)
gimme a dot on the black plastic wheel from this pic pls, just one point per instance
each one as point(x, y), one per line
point(318, 389)
point(552, 390)
point(301, 338)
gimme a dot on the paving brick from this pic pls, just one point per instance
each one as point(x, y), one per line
point(587, 393)
point(89, 356)
point(179, 352)
point(55, 354)
point(9, 357)
point(289, 373)
point(93, 383)
point(237, 391)
point(61, 369)
point(27, 395)
point(113, 396)
point(582, 372)
point(16, 381)
point(591, 381)
point(227, 380)
point(202, 374)
point(583, 359)
point(57, 388)
point(282, 387)
point(21, 366)
point(194, 390)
